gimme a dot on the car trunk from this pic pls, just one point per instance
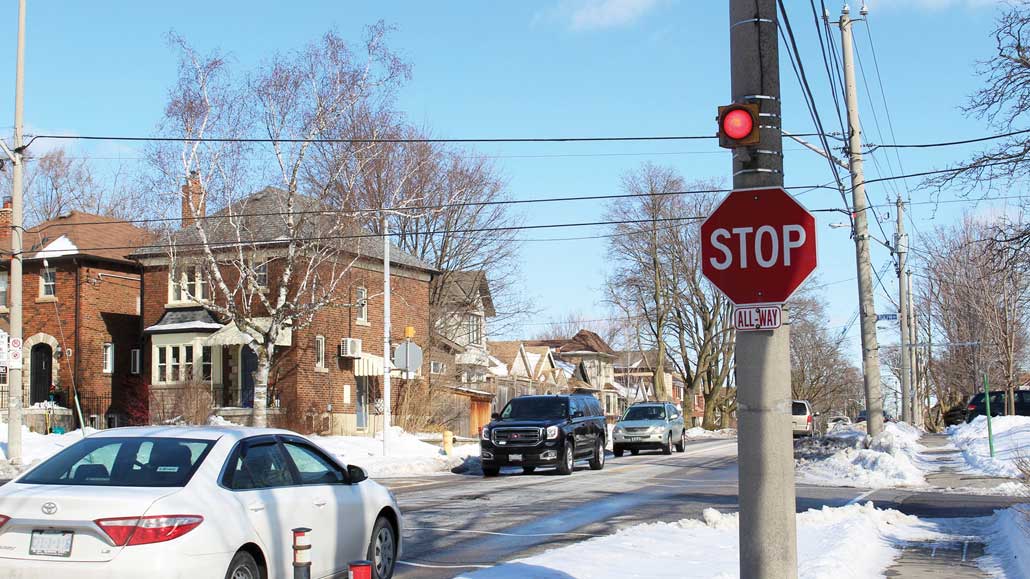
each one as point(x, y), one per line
point(43, 515)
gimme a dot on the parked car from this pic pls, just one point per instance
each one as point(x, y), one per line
point(862, 416)
point(802, 418)
point(977, 404)
point(839, 421)
point(649, 425)
point(193, 503)
point(536, 431)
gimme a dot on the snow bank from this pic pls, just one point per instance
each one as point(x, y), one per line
point(857, 541)
point(1007, 540)
point(1011, 442)
point(892, 459)
point(408, 456)
point(697, 433)
point(35, 447)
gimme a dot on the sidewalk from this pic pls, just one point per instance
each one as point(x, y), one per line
point(954, 556)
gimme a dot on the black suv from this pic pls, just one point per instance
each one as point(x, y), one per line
point(535, 431)
point(977, 404)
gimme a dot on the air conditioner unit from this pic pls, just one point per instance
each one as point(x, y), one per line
point(350, 348)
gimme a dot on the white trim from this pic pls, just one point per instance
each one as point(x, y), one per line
point(107, 355)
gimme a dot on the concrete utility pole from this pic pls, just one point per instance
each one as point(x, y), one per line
point(901, 247)
point(768, 535)
point(14, 386)
point(867, 308)
point(387, 353)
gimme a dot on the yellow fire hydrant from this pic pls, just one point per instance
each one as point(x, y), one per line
point(448, 442)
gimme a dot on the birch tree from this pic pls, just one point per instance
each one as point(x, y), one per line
point(269, 262)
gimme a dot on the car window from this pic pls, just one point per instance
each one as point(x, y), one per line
point(579, 405)
point(260, 466)
point(313, 468)
point(645, 413)
point(673, 412)
point(799, 408)
point(535, 408)
point(123, 461)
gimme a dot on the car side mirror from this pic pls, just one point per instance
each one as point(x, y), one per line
point(495, 416)
point(356, 474)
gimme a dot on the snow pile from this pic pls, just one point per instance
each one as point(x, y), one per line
point(857, 541)
point(35, 447)
point(892, 459)
point(219, 421)
point(1007, 540)
point(408, 456)
point(697, 433)
point(1011, 442)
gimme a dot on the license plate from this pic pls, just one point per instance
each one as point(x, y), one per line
point(51, 543)
point(635, 438)
point(515, 457)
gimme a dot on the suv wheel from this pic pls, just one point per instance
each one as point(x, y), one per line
point(667, 449)
point(489, 471)
point(682, 444)
point(568, 459)
point(597, 461)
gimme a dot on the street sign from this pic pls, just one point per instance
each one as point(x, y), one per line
point(407, 357)
point(886, 317)
point(758, 246)
point(14, 357)
point(757, 318)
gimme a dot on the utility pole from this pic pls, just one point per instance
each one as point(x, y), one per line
point(768, 534)
point(917, 400)
point(901, 247)
point(387, 364)
point(14, 386)
point(867, 308)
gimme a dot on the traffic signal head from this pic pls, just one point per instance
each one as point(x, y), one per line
point(738, 126)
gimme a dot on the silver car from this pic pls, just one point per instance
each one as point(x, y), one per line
point(802, 418)
point(649, 425)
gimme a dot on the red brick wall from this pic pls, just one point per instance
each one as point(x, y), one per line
point(107, 314)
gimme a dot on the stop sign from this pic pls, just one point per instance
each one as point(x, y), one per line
point(758, 246)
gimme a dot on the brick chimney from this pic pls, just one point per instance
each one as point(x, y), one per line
point(5, 225)
point(192, 192)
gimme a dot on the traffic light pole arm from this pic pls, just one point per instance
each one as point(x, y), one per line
point(812, 147)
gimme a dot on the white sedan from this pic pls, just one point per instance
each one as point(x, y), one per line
point(163, 502)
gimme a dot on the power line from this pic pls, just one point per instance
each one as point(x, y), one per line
point(872, 146)
point(356, 140)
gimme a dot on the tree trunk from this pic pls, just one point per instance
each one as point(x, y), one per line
point(259, 414)
point(709, 422)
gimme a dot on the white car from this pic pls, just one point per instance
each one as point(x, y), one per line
point(164, 502)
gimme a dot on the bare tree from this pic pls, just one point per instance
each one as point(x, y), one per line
point(567, 325)
point(657, 278)
point(293, 238)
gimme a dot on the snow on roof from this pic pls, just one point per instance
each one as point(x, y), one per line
point(57, 248)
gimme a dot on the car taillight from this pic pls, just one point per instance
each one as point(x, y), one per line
point(3, 520)
point(971, 407)
point(810, 419)
point(147, 530)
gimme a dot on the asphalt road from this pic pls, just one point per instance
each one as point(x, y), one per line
point(458, 523)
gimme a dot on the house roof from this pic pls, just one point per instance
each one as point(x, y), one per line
point(87, 234)
point(461, 288)
point(506, 352)
point(639, 359)
point(180, 320)
point(583, 341)
point(259, 217)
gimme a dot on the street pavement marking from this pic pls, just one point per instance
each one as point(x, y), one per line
point(860, 497)
point(501, 534)
point(425, 566)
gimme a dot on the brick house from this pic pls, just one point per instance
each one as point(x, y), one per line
point(313, 385)
point(80, 315)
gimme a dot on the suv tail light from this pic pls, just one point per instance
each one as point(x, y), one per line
point(810, 419)
point(146, 530)
point(971, 407)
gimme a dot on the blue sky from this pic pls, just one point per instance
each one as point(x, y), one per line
point(530, 69)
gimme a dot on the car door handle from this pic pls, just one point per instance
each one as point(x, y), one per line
point(321, 503)
point(256, 507)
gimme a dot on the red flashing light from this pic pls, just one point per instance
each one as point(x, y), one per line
point(737, 124)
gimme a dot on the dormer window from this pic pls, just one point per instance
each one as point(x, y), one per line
point(187, 286)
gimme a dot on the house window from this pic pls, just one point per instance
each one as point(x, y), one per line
point(108, 358)
point(187, 363)
point(436, 367)
point(48, 282)
point(4, 286)
point(320, 352)
point(205, 363)
point(474, 329)
point(261, 274)
point(362, 305)
point(162, 365)
point(135, 360)
point(174, 364)
point(187, 287)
